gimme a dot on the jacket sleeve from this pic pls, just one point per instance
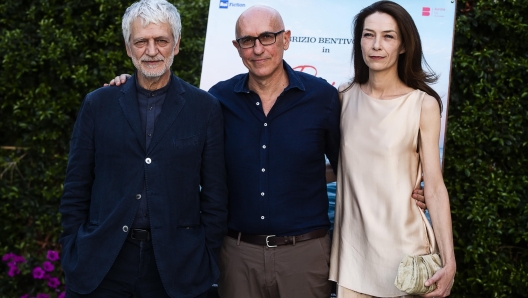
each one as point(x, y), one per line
point(75, 201)
point(213, 181)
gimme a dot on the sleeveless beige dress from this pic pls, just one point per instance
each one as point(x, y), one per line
point(376, 221)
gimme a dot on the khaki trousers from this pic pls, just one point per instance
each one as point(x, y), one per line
point(288, 271)
point(347, 293)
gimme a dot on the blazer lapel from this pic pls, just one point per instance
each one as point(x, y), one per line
point(172, 106)
point(130, 108)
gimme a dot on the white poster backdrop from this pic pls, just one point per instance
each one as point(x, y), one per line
point(321, 39)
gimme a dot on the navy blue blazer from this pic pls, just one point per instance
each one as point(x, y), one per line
point(183, 171)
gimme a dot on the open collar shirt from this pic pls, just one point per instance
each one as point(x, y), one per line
point(150, 103)
point(276, 163)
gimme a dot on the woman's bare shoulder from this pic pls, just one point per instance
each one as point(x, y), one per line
point(430, 105)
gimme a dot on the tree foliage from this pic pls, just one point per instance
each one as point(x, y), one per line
point(486, 165)
point(54, 52)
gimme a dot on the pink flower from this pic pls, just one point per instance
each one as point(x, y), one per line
point(19, 259)
point(8, 257)
point(13, 270)
point(25, 296)
point(62, 295)
point(40, 295)
point(53, 255)
point(53, 282)
point(48, 266)
point(38, 273)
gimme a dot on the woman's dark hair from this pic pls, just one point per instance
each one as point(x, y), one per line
point(410, 69)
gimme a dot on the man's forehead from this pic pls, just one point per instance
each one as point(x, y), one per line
point(140, 25)
point(255, 26)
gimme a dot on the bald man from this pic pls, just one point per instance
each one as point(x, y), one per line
point(279, 124)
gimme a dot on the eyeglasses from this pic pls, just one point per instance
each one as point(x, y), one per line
point(265, 38)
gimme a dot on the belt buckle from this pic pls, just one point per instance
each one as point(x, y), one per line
point(133, 234)
point(267, 241)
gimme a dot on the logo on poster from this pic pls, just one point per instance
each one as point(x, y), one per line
point(308, 69)
point(224, 4)
point(426, 11)
point(438, 12)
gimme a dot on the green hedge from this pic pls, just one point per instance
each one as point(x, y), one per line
point(486, 165)
point(54, 52)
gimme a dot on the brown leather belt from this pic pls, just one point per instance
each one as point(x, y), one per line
point(274, 241)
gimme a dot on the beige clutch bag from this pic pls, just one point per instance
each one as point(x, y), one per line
point(414, 271)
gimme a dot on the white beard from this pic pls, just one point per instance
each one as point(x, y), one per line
point(151, 73)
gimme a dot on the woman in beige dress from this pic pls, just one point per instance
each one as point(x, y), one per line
point(390, 127)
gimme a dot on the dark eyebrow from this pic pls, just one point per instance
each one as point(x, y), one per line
point(246, 36)
point(386, 31)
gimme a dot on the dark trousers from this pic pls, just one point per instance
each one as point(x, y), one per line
point(133, 274)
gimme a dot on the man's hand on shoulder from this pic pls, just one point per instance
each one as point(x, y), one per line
point(418, 196)
point(118, 80)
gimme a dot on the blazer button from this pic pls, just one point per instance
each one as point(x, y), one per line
point(138, 196)
point(125, 229)
point(148, 160)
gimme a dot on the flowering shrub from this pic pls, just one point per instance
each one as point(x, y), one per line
point(40, 279)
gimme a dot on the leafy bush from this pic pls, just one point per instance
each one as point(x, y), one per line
point(43, 277)
point(54, 52)
point(486, 166)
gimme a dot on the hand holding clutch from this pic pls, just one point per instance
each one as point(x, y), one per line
point(414, 271)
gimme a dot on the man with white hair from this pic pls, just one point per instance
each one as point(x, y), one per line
point(144, 207)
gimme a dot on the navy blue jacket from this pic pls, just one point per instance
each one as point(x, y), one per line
point(184, 173)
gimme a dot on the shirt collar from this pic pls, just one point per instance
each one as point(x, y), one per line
point(293, 78)
point(156, 92)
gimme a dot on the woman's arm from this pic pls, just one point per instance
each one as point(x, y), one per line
point(417, 195)
point(437, 197)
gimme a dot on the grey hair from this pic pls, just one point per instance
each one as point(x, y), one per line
point(151, 11)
